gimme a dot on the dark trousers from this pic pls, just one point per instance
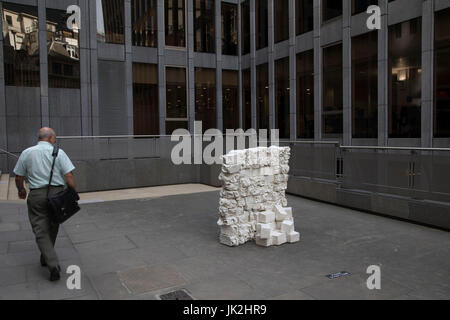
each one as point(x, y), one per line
point(45, 232)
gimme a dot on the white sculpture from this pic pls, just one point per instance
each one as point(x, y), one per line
point(253, 198)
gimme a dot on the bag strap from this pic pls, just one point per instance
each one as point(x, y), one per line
point(54, 155)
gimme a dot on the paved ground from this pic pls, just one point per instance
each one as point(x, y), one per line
point(137, 249)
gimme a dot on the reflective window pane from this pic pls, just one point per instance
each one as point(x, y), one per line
point(262, 96)
point(331, 9)
point(175, 22)
point(304, 16)
point(332, 99)
point(145, 99)
point(63, 51)
point(305, 95)
point(205, 97)
point(262, 34)
point(204, 25)
point(365, 86)
point(144, 23)
point(245, 26)
point(442, 75)
point(229, 29)
point(281, 20)
point(176, 99)
point(230, 99)
point(110, 21)
point(405, 84)
point(359, 6)
point(282, 89)
point(20, 45)
point(246, 100)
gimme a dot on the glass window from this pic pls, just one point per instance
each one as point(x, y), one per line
point(145, 99)
point(246, 100)
point(262, 96)
point(331, 9)
point(176, 99)
point(21, 45)
point(144, 23)
point(204, 17)
point(359, 6)
point(281, 20)
point(245, 25)
point(405, 85)
point(230, 99)
point(305, 95)
point(205, 97)
point(110, 21)
point(442, 75)
point(63, 51)
point(365, 85)
point(304, 15)
point(175, 23)
point(262, 34)
point(229, 29)
point(282, 89)
point(332, 99)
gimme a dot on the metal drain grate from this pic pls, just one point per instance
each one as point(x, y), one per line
point(176, 295)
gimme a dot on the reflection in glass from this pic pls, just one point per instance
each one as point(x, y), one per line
point(175, 22)
point(305, 95)
point(245, 26)
point(110, 21)
point(405, 84)
point(442, 75)
point(230, 99)
point(63, 51)
point(144, 23)
point(205, 97)
point(304, 16)
point(281, 20)
point(204, 17)
point(365, 85)
point(229, 29)
point(246, 100)
point(262, 96)
point(176, 100)
point(145, 99)
point(282, 88)
point(262, 24)
point(332, 99)
point(20, 45)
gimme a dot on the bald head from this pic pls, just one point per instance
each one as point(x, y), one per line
point(47, 134)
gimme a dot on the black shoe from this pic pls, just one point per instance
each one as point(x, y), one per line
point(43, 263)
point(54, 274)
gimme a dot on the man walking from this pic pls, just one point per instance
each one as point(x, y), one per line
point(35, 165)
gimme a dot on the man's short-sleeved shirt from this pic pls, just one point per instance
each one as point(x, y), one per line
point(35, 164)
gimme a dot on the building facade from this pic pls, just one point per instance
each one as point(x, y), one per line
point(310, 68)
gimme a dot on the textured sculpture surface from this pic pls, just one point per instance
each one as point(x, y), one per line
point(253, 198)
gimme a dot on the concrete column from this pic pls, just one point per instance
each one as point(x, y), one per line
point(218, 30)
point(191, 67)
point(383, 76)
point(85, 74)
point(241, 120)
point(347, 71)
point(253, 62)
point(427, 72)
point(317, 71)
point(43, 63)
point(3, 129)
point(271, 56)
point(161, 68)
point(129, 68)
point(292, 71)
point(94, 68)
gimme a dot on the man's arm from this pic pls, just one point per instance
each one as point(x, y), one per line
point(70, 180)
point(21, 187)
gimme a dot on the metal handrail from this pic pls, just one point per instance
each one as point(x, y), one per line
point(8, 153)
